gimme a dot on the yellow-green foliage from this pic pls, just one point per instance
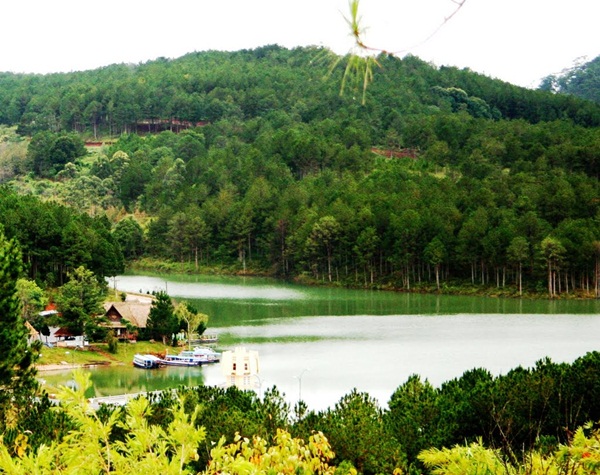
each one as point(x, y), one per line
point(472, 459)
point(288, 455)
point(90, 450)
point(580, 457)
point(150, 449)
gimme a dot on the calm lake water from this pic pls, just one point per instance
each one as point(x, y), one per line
point(320, 343)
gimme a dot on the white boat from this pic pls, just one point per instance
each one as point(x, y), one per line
point(196, 357)
point(207, 354)
point(147, 361)
point(181, 360)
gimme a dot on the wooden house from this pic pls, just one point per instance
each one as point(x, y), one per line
point(125, 318)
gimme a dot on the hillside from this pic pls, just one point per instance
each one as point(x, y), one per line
point(581, 81)
point(253, 161)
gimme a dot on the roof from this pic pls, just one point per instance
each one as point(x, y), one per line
point(45, 313)
point(63, 332)
point(135, 313)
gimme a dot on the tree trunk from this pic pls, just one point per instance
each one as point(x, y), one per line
point(550, 294)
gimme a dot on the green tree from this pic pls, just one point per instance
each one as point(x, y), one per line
point(51, 152)
point(33, 301)
point(552, 252)
point(322, 239)
point(79, 302)
point(367, 243)
point(195, 321)
point(596, 247)
point(93, 113)
point(176, 235)
point(517, 253)
point(435, 253)
point(18, 382)
point(130, 236)
point(413, 416)
point(470, 239)
point(465, 407)
point(357, 434)
point(162, 322)
point(196, 234)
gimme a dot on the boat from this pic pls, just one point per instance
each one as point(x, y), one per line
point(147, 361)
point(195, 357)
point(181, 360)
point(207, 354)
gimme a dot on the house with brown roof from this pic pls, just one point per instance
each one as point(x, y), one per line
point(62, 337)
point(125, 318)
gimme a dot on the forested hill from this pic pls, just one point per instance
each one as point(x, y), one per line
point(211, 86)
point(254, 161)
point(581, 81)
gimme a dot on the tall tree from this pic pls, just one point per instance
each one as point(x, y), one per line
point(130, 236)
point(435, 253)
point(195, 321)
point(17, 373)
point(365, 248)
point(552, 252)
point(322, 239)
point(33, 301)
point(596, 246)
point(413, 415)
point(162, 321)
point(80, 302)
point(518, 252)
point(196, 234)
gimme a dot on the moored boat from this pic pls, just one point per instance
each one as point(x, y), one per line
point(196, 357)
point(206, 354)
point(147, 361)
point(181, 360)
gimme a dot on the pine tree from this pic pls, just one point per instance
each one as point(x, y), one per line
point(18, 383)
point(162, 322)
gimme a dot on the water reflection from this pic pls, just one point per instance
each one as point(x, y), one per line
point(372, 341)
point(125, 379)
point(230, 301)
point(206, 289)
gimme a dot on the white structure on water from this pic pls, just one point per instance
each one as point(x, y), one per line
point(240, 368)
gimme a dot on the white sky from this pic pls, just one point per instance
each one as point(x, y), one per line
point(519, 41)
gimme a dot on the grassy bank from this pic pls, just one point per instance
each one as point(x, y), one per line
point(98, 354)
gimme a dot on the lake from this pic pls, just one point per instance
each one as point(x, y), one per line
point(319, 343)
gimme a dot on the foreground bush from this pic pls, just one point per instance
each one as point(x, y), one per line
point(124, 442)
point(580, 457)
point(91, 447)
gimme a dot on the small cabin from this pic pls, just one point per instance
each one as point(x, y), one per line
point(123, 318)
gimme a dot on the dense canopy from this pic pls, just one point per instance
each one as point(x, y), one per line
point(253, 160)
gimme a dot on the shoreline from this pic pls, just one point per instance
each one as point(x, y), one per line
point(453, 287)
point(66, 366)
